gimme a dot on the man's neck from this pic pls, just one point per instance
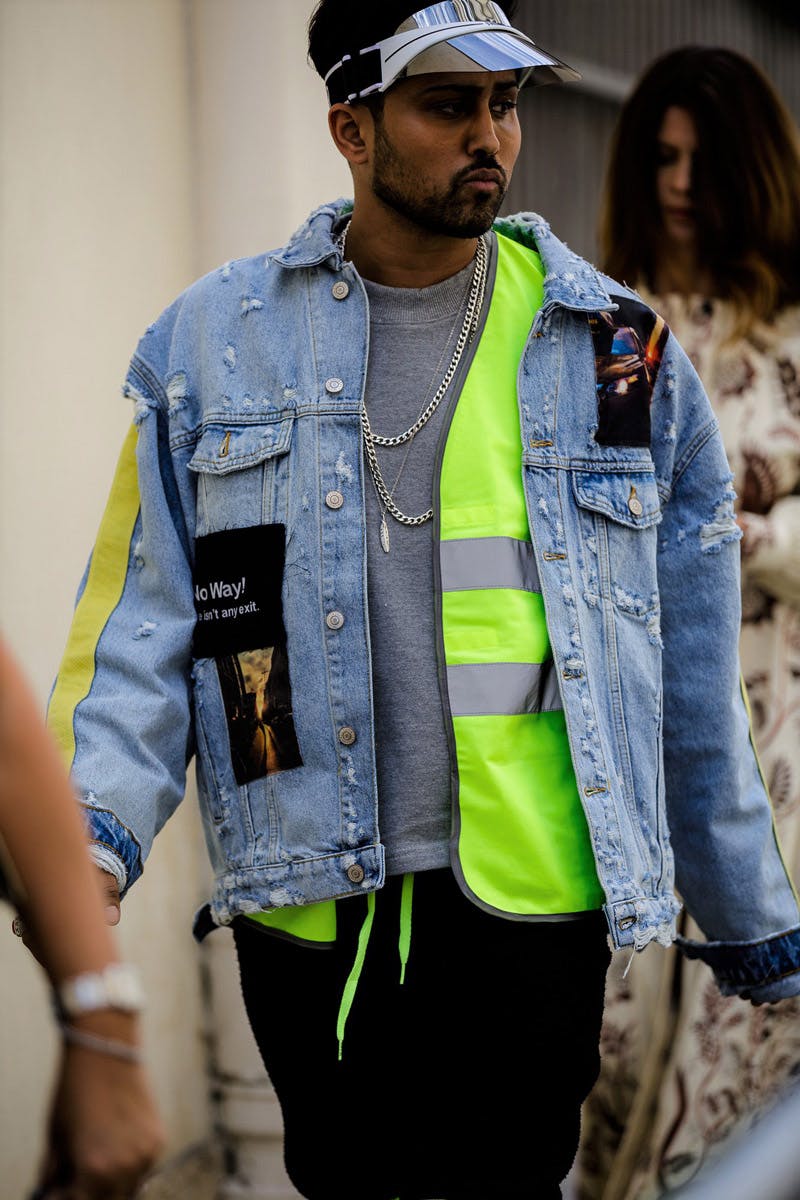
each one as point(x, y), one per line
point(390, 249)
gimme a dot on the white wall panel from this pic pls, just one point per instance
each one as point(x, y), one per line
point(95, 238)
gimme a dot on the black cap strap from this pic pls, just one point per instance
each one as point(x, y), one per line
point(354, 75)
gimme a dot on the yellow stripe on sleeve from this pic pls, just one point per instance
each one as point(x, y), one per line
point(103, 592)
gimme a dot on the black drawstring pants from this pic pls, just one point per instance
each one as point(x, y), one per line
point(463, 1084)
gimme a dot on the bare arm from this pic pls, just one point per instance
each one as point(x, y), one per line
point(41, 828)
point(104, 1130)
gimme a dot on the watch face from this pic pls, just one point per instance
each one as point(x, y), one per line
point(115, 987)
point(122, 990)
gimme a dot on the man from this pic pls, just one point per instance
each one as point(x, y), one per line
point(428, 536)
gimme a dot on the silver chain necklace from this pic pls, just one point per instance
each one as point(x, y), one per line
point(469, 329)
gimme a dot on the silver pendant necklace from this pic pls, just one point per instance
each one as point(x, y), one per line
point(384, 530)
point(469, 328)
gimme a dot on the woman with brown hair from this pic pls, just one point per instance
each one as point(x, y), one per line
point(702, 214)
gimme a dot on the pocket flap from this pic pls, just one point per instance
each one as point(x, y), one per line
point(225, 448)
point(627, 497)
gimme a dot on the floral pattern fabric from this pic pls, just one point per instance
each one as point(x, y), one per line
point(684, 1067)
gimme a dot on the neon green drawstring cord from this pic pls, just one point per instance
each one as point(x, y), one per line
point(404, 947)
point(406, 903)
point(348, 995)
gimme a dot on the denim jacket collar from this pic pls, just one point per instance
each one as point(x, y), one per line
point(570, 281)
point(313, 242)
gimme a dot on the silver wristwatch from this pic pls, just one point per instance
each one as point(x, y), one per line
point(116, 986)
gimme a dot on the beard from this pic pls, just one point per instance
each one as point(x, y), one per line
point(447, 211)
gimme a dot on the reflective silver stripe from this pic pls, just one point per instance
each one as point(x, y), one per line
point(489, 562)
point(503, 689)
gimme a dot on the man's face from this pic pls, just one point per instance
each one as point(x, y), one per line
point(445, 148)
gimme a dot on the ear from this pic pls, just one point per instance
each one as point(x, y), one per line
point(352, 128)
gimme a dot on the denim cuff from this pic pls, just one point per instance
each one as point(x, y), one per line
point(113, 846)
point(762, 971)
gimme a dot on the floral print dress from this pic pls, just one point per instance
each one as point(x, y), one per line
point(683, 1067)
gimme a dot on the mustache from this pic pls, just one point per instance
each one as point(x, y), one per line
point(487, 163)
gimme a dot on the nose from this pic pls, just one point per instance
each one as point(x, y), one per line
point(682, 174)
point(482, 137)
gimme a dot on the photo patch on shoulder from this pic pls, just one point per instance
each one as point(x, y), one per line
point(628, 348)
point(238, 580)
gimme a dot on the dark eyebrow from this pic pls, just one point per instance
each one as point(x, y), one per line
point(511, 86)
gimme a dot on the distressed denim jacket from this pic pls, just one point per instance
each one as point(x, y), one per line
point(248, 510)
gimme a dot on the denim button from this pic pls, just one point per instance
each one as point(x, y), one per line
point(334, 386)
point(340, 290)
point(347, 736)
point(334, 500)
point(355, 874)
point(635, 504)
point(334, 620)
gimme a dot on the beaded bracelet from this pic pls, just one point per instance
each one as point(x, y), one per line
point(101, 1045)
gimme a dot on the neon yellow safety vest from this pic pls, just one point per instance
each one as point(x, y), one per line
point(521, 843)
point(520, 838)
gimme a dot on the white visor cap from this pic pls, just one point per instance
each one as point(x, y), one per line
point(456, 35)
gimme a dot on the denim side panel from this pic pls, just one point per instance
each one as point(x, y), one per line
point(597, 563)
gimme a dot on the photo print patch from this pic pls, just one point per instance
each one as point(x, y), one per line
point(238, 579)
point(628, 347)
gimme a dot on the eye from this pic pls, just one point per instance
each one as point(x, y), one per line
point(502, 108)
point(666, 154)
point(450, 108)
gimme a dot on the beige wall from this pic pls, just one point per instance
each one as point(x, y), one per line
point(264, 158)
point(141, 142)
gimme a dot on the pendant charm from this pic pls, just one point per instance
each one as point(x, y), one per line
point(384, 534)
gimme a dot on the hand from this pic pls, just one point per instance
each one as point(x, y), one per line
point(104, 1133)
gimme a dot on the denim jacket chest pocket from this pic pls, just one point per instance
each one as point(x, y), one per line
point(618, 515)
point(243, 473)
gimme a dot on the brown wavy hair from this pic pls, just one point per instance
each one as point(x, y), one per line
point(745, 180)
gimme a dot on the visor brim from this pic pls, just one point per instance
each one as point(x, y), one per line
point(490, 49)
point(497, 52)
point(479, 46)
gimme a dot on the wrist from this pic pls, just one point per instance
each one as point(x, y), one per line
point(109, 1023)
point(101, 1043)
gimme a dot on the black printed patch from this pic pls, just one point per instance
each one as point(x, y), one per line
point(237, 594)
point(628, 347)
